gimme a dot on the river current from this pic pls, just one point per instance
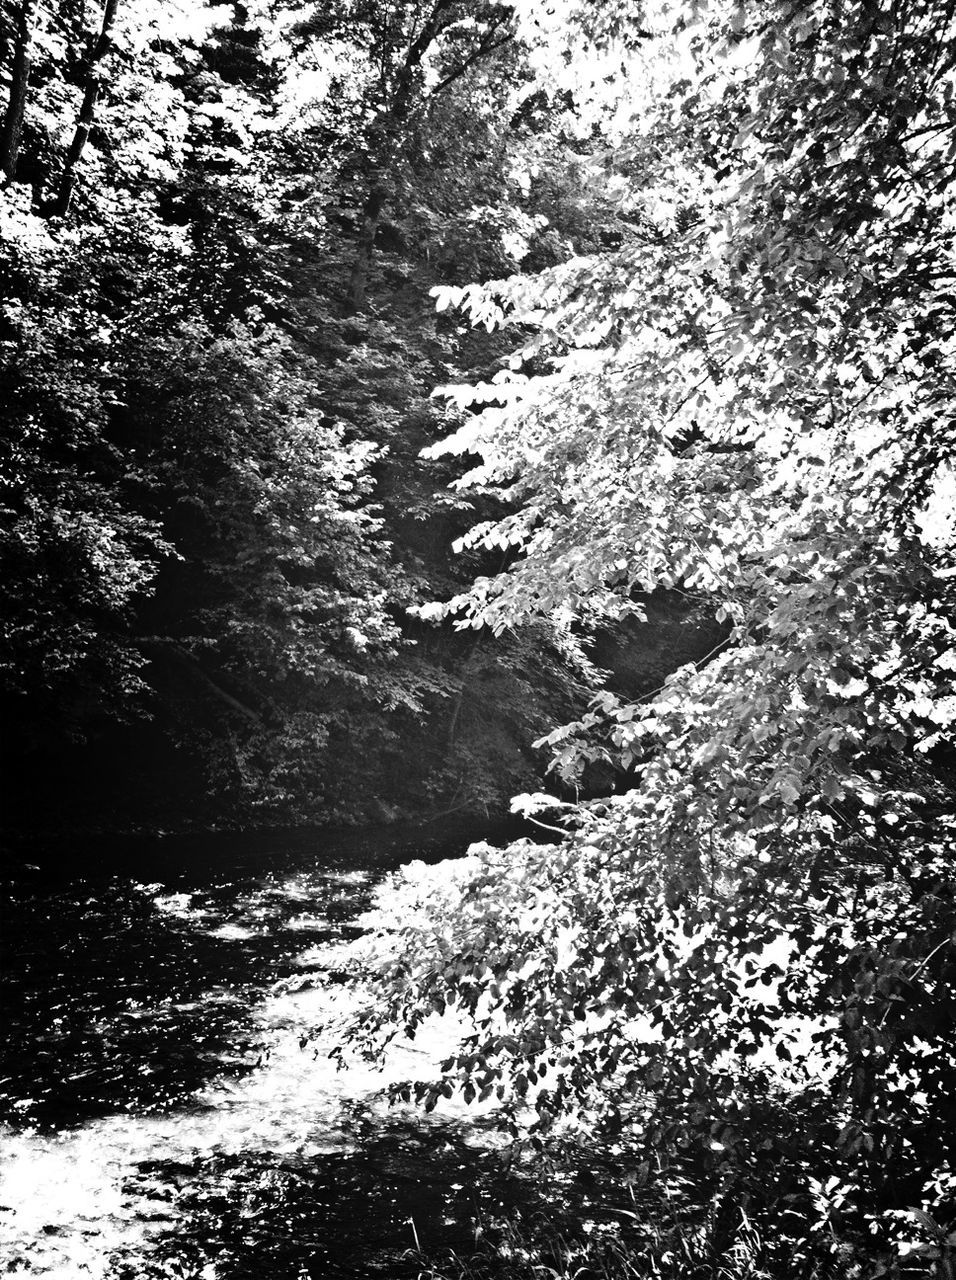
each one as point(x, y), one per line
point(166, 1111)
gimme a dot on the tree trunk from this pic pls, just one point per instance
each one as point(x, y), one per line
point(61, 204)
point(12, 132)
point(372, 216)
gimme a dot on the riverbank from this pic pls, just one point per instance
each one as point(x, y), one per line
point(72, 852)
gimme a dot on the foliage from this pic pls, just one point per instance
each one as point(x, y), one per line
point(749, 400)
point(221, 350)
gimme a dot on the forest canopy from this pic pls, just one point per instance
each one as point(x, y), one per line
point(743, 960)
point(220, 227)
point(639, 308)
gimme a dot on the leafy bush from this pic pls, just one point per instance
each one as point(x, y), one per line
point(743, 960)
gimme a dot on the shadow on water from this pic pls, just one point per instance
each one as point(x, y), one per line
point(358, 1212)
point(161, 1117)
point(123, 994)
point(116, 1005)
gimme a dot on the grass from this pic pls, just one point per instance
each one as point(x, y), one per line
point(637, 1250)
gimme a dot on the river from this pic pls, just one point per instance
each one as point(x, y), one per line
point(163, 1111)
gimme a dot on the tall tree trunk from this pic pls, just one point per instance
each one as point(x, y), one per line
point(12, 131)
point(59, 207)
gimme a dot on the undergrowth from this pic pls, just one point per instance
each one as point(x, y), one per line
point(714, 1245)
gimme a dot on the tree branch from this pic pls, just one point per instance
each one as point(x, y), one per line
point(430, 31)
point(185, 658)
point(484, 48)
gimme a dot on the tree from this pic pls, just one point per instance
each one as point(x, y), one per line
point(84, 120)
point(145, 430)
point(217, 517)
point(750, 401)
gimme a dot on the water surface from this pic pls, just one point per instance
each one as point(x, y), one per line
point(164, 1110)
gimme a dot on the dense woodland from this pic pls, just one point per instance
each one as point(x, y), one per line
point(221, 227)
point(683, 278)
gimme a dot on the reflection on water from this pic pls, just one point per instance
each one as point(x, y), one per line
point(163, 1114)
